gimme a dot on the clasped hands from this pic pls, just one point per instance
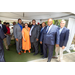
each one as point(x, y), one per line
point(57, 45)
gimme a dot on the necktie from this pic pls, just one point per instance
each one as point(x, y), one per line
point(0, 27)
point(47, 29)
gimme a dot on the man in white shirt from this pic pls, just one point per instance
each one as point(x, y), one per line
point(34, 36)
point(64, 34)
point(49, 37)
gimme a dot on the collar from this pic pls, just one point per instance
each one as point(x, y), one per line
point(0, 24)
point(19, 24)
point(51, 25)
point(61, 28)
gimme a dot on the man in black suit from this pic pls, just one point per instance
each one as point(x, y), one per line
point(2, 36)
point(34, 36)
point(41, 45)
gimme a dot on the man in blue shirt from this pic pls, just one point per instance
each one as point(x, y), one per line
point(18, 36)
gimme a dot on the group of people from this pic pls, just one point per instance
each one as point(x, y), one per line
point(29, 37)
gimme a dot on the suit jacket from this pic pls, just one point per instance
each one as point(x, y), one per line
point(64, 37)
point(2, 36)
point(41, 32)
point(52, 37)
point(4, 29)
point(35, 33)
point(17, 32)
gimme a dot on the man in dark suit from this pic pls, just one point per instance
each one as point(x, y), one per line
point(50, 37)
point(2, 36)
point(41, 30)
point(5, 31)
point(64, 35)
point(34, 36)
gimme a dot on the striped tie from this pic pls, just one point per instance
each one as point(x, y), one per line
point(47, 29)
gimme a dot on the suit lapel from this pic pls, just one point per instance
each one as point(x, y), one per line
point(19, 27)
point(33, 28)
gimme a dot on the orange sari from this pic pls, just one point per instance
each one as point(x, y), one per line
point(26, 45)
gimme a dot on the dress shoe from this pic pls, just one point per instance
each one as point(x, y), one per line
point(35, 53)
point(41, 54)
point(44, 57)
point(49, 61)
point(55, 57)
point(32, 52)
point(19, 53)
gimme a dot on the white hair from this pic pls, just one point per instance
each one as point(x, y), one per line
point(63, 21)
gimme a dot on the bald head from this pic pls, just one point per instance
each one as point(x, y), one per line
point(62, 23)
point(50, 21)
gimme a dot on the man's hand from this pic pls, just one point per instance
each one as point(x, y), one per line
point(9, 35)
point(40, 42)
point(63, 47)
point(5, 34)
point(16, 39)
point(36, 39)
point(57, 45)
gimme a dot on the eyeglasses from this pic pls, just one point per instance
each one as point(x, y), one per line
point(26, 25)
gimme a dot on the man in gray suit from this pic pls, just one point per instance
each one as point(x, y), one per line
point(34, 36)
point(18, 36)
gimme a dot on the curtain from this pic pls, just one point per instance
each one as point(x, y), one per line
point(71, 27)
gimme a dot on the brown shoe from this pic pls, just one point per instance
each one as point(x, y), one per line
point(55, 57)
point(19, 53)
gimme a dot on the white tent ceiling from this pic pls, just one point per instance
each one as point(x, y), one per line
point(28, 16)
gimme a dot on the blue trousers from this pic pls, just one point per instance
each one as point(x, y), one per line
point(50, 48)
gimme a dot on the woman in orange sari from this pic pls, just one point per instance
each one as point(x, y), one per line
point(26, 45)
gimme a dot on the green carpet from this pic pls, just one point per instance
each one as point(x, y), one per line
point(13, 56)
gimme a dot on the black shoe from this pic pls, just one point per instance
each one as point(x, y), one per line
point(49, 61)
point(32, 52)
point(44, 57)
point(41, 54)
point(35, 53)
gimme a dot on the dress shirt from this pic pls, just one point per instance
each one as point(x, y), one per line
point(8, 30)
point(60, 30)
point(31, 29)
point(1, 25)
